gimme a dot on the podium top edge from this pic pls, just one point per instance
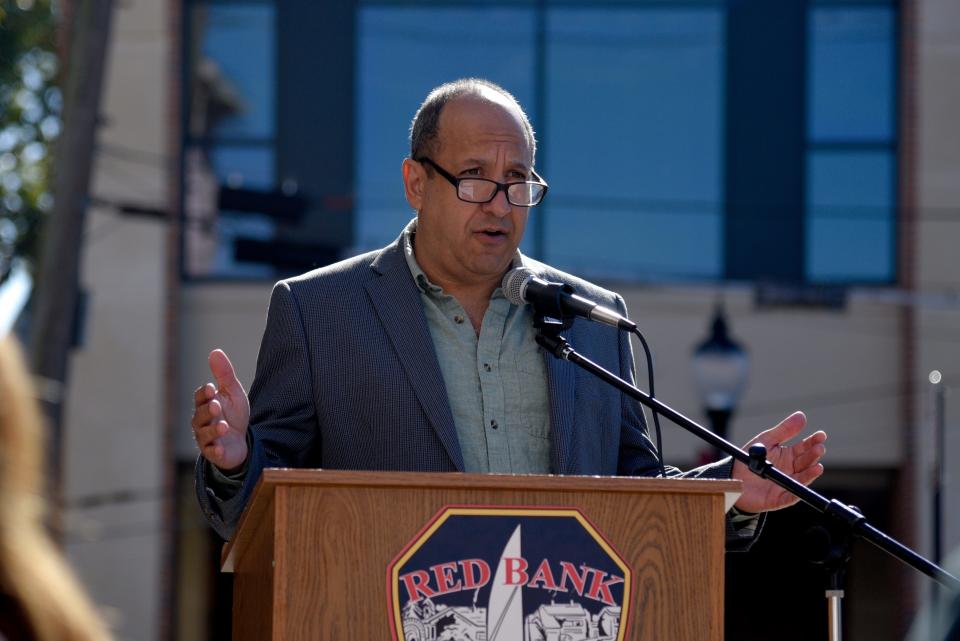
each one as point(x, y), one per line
point(460, 480)
point(274, 478)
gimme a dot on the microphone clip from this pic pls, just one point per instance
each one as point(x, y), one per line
point(550, 315)
point(551, 307)
point(551, 326)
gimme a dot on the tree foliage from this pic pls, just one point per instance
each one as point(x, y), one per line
point(30, 107)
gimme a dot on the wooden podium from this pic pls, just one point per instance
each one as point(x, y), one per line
point(312, 552)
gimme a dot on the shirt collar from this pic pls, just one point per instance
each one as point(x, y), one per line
point(420, 278)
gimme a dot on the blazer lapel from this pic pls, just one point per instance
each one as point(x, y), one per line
point(561, 383)
point(395, 298)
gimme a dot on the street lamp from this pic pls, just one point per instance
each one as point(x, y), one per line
point(720, 368)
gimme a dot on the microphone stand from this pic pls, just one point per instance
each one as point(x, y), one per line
point(832, 551)
point(549, 338)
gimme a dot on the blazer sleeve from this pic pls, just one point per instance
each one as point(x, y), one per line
point(283, 429)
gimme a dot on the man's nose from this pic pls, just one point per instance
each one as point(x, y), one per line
point(499, 206)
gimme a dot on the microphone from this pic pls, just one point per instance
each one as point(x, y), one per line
point(522, 286)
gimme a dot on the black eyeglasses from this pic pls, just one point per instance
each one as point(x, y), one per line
point(527, 193)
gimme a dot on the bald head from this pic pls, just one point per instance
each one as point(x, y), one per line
point(425, 129)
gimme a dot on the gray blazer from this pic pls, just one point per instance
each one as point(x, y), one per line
point(347, 378)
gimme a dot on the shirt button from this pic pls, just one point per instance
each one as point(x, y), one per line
point(458, 319)
point(486, 367)
point(494, 425)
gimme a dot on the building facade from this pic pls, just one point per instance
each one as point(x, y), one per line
point(797, 160)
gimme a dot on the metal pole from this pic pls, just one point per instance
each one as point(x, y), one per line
point(937, 479)
point(834, 597)
point(939, 443)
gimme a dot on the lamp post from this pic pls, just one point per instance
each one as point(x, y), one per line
point(937, 478)
point(720, 369)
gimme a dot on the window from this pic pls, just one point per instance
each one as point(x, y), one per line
point(613, 100)
point(851, 141)
point(404, 52)
point(231, 133)
point(703, 140)
point(634, 142)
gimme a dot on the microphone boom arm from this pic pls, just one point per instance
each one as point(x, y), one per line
point(756, 460)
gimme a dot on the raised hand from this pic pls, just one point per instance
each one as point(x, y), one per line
point(801, 460)
point(221, 415)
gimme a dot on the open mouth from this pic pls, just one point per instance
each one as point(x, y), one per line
point(493, 233)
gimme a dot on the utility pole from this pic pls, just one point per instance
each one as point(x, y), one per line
point(58, 279)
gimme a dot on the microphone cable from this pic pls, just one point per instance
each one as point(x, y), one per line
point(656, 416)
point(522, 286)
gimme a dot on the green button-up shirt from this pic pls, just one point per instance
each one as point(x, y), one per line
point(496, 382)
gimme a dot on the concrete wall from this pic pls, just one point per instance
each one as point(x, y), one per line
point(841, 367)
point(228, 316)
point(114, 467)
point(937, 342)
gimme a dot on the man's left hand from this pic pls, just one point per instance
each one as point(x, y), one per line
point(800, 460)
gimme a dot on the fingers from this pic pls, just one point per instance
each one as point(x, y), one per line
point(206, 413)
point(782, 432)
point(214, 450)
point(203, 394)
point(211, 442)
point(786, 499)
point(223, 372)
point(208, 423)
point(809, 475)
point(208, 434)
point(221, 445)
point(220, 415)
point(809, 457)
point(203, 409)
point(801, 460)
point(785, 429)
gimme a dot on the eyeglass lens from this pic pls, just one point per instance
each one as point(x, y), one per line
point(481, 191)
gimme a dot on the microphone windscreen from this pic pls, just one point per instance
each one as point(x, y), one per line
point(514, 283)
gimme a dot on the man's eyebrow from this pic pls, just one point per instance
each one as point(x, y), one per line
point(517, 165)
point(469, 162)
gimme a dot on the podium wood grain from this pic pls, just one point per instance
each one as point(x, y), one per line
point(312, 550)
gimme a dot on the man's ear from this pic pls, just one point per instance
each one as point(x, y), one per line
point(414, 182)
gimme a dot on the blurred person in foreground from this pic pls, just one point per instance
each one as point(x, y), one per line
point(412, 358)
point(40, 599)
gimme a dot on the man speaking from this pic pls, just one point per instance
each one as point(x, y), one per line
point(411, 357)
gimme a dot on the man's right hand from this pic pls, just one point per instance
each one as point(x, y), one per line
point(220, 416)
